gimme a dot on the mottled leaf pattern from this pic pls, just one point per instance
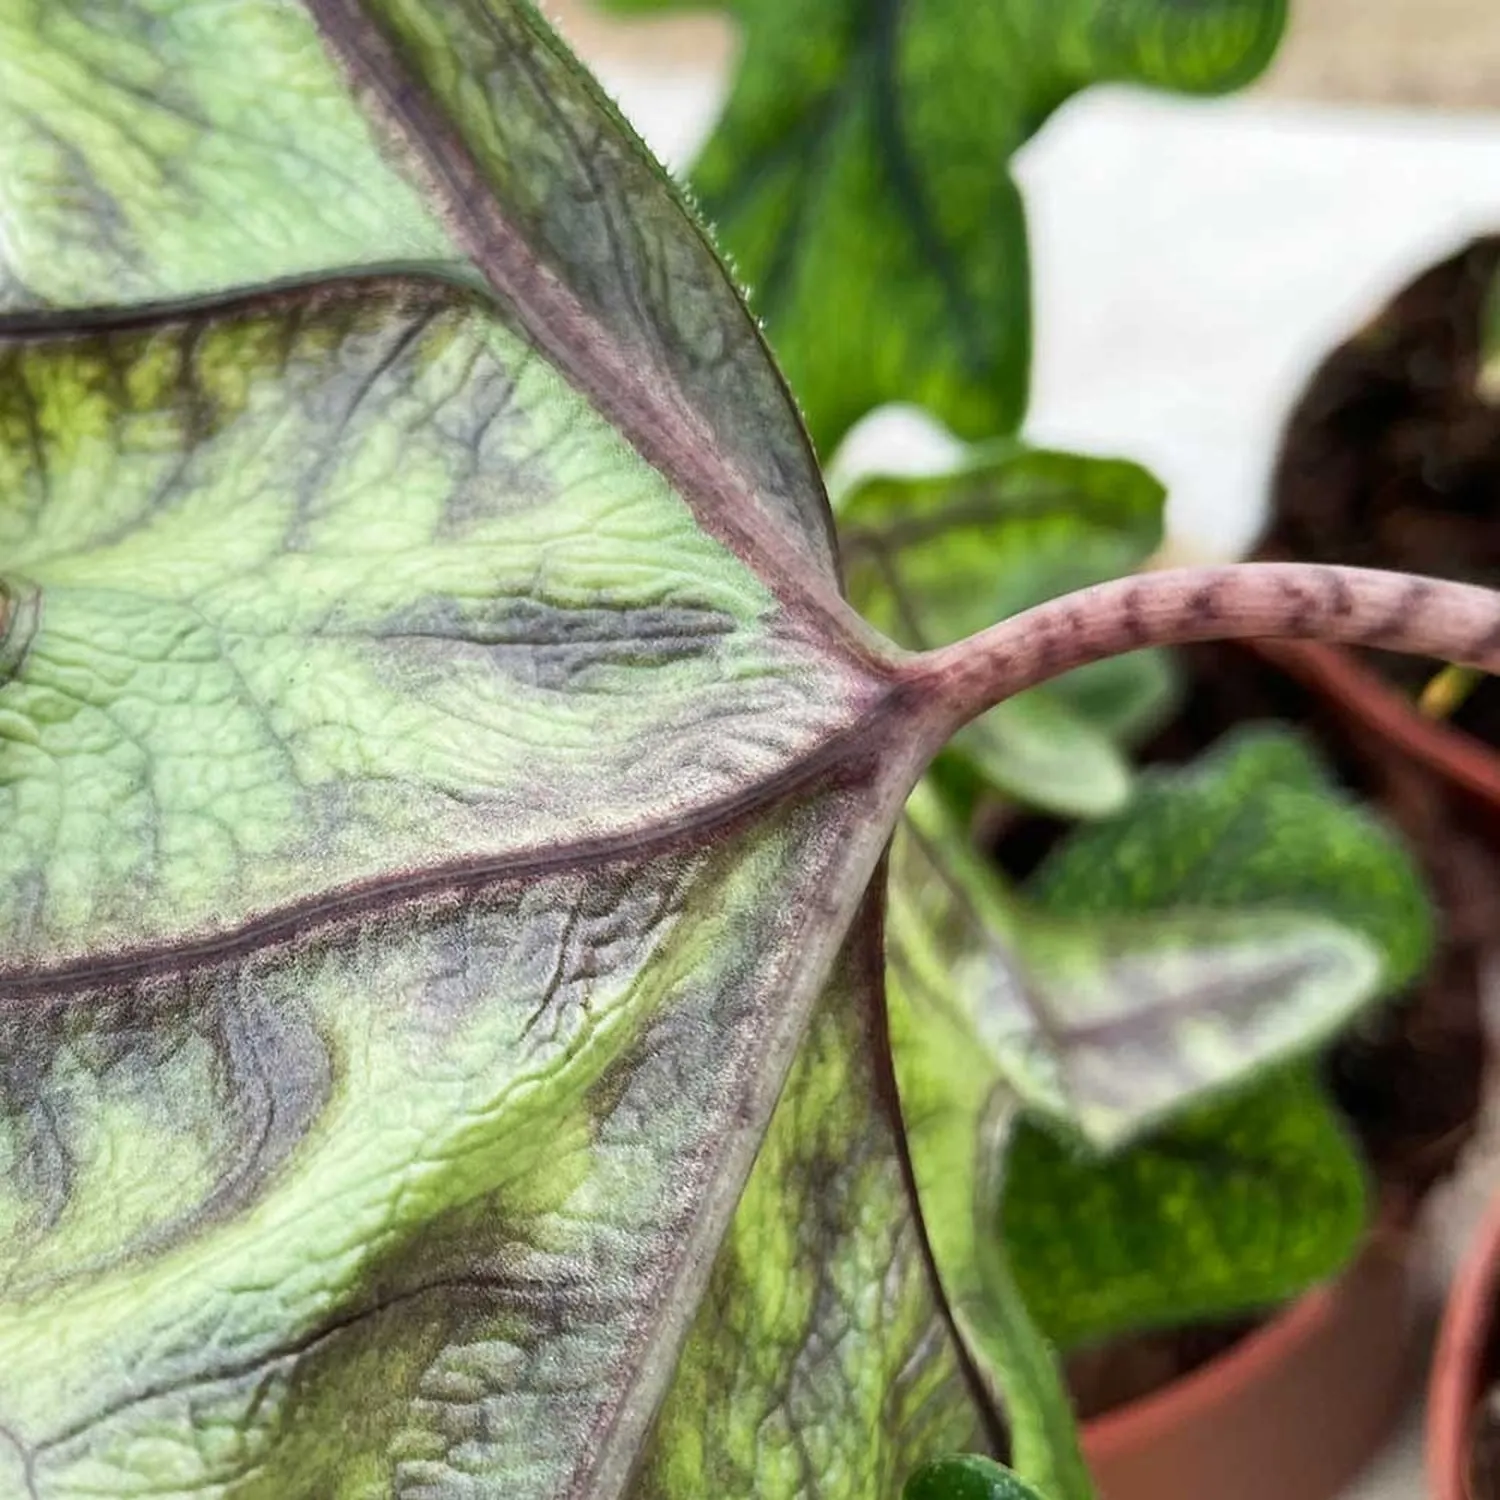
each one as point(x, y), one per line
point(256, 679)
point(437, 773)
point(819, 1362)
point(1245, 1201)
point(859, 177)
point(929, 560)
point(1240, 1205)
point(160, 149)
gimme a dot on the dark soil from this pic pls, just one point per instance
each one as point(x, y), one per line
point(1392, 456)
point(1391, 459)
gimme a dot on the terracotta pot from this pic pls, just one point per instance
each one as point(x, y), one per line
point(1458, 1366)
point(1293, 1411)
point(1367, 701)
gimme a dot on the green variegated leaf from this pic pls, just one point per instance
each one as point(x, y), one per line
point(859, 176)
point(812, 1371)
point(1244, 1202)
point(174, 148)
point(437, 773)
point(352, 931)
point(1237, 912)
point(928, 559)
point(1241, 1204)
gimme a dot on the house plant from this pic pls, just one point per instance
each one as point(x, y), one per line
point(445, 793)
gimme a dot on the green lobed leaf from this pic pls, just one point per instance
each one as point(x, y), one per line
point(437, 773)
point(859, 177)
point(1249, 1201)
point(928, 559)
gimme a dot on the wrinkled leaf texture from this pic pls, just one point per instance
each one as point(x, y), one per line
point(438, 775)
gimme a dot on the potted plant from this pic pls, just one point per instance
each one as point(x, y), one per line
point(927, 558)
point(446, 803)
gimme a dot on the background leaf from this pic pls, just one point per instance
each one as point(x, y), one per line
point(1240, 909)
point(1241, 1204)
point(1248, 1201)
point(927, 559)
point(966, 1478)
point(859, 178)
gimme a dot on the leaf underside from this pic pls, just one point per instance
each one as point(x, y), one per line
point(437, 774)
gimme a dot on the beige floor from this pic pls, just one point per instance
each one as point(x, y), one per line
point(1432, 52)
point(1427, 52)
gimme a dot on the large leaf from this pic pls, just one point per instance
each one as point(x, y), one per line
point(175, 148)
point(437, 773)
point(930, 560)
point(1235, 913)
point(859, 176)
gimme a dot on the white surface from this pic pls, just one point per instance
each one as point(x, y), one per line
point(1193, 262)
point(1397, 1473)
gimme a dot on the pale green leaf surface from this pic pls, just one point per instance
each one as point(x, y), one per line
point(859, 177)
point(928, 559)
point(256, 679)
point(432, 1174)
point(437, 771)
point(819, 1363)
point(172, 148)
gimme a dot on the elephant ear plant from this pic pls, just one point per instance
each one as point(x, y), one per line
point(442, 803)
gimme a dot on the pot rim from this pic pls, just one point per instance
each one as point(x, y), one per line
point(1467, 761)
point(1185, 1399)
point(1453, 1386)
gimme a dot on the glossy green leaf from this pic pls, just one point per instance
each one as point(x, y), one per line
point(1238, 911)
point(859, 177)
point(437, 775)
point(929, 559)
point(966, 1478)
